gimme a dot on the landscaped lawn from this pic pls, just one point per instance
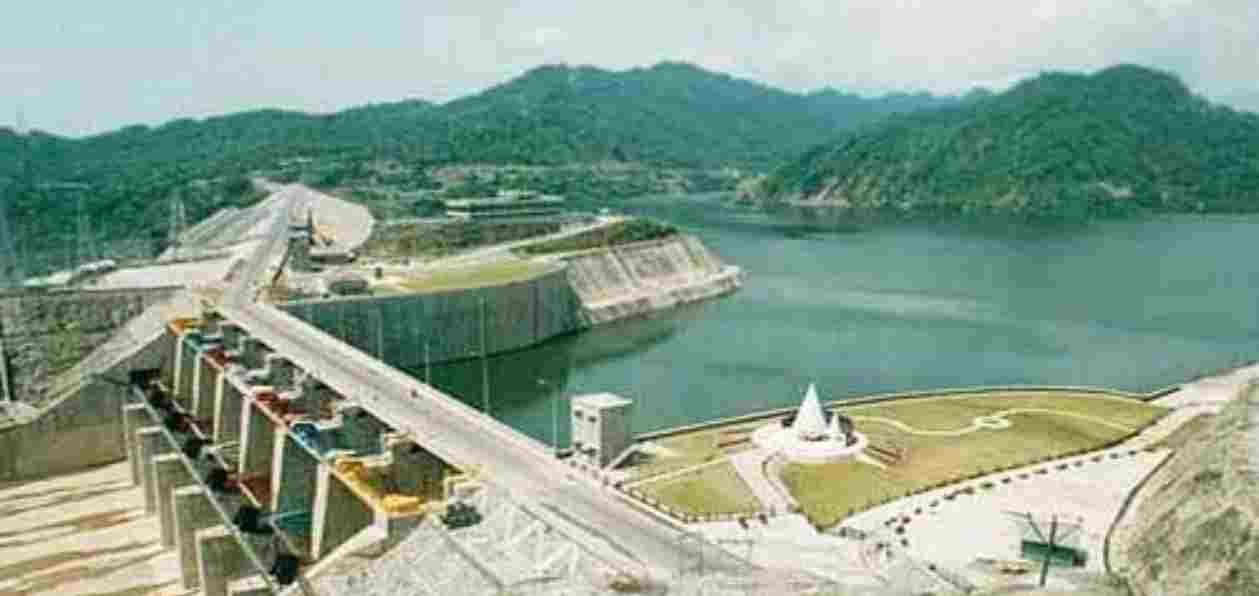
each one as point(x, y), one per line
point(829, 493)
point(473, 277)
point(694, 448)
point(1075, 422)
point(955, 412)
point(711, 489)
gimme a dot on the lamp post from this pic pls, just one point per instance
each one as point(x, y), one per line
point(555, 418)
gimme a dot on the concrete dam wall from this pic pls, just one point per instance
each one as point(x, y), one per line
point(581, 290)
point(79, 423)
point(403, 330)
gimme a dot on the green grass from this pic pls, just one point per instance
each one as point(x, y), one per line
point(474, 277)
point(950, 413)
point(712, 490)
point(829, 493)
point(694, 448)
point(616, 234)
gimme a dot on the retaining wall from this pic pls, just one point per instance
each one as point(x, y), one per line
point(583, 289)
point(400, 328)
point(638, 279)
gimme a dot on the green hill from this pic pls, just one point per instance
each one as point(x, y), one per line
point(1126, 139)
point(670, 115)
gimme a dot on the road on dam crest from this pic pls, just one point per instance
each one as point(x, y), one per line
point(589, 513)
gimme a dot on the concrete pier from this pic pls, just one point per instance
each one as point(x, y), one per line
point(338, 513)
point(220, 560)
point(416, 471)
point(189, 364)
point(152, 443)
point(193, 513)
point(254, 353)
point(207, 379)
point(227, 413)
point(359, 432)
point(134, 417)
point(194, 386)
point(283, 372)
point(169, 473)
point(293, 477)
point(256, 441)
point(208, 391)
point(177, 358)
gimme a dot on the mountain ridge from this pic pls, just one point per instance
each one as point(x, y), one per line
point(1124, 139)
point(671, 115)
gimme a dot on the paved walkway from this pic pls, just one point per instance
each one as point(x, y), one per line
point(83, 533)
point(752, 466)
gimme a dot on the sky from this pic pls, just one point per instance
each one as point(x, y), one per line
point(79, 68)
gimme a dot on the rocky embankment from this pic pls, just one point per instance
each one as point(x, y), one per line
point(1195, 527)
point(637, 279)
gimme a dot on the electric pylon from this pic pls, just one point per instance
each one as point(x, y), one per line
point(178, 223)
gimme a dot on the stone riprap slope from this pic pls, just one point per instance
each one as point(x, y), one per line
point(637, 279)
point(1196, 527)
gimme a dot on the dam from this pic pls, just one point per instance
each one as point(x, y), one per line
point(571, 293)
point(265, 447)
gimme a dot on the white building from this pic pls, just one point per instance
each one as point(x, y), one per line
point(601, 428)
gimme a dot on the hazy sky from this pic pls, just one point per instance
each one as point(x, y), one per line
point(82, 67)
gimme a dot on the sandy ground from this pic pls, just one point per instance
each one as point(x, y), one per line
point(83, 533)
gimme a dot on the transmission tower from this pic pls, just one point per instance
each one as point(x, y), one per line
point(11, 271)
point(11, 274)
point(87, 251)
point(178, 222)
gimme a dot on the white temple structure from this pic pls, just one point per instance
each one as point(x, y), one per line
point(810, 423)
point(810, 438)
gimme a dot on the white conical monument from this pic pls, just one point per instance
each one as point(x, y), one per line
point(832, 431)
point(810, 423)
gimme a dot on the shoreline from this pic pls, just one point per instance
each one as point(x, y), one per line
point(916, 394)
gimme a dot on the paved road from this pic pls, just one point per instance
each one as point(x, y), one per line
point(594, 516)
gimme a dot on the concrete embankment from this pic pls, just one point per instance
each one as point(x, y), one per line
point(638, 279)
point(72, 420)
point(579, 290)
point(403, 330)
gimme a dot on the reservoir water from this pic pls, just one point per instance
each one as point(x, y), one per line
point(863, 309)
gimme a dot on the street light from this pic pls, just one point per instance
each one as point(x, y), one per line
point(555, 418)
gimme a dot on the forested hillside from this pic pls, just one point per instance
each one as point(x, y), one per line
point(1124, 140)
point(668, 116)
